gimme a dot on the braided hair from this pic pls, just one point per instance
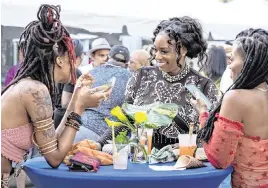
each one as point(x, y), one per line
point(252, 44)
point(187, 33)
point(43, 41)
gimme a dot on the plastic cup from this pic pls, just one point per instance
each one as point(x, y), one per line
point(187, 144)
point(120, 159)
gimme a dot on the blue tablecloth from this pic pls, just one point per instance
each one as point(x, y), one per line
point(136, 176)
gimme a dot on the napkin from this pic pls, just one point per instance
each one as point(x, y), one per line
point(186, 161)
point(201, 155)
point(164, 168)
point(163, 155)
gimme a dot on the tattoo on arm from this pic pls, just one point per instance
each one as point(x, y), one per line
point(42, 110)
point(50, 133)
point(41, 101)
point(43, 104)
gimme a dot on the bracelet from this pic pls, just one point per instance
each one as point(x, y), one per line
point(46, 150)
point(49, 146)
point(71, 121)
point(43, 149)
point(74, 116)
point(73, 124)
point(46, 146)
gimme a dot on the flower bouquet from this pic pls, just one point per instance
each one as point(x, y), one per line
point(137, 119)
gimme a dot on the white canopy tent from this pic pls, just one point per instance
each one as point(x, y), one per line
point(19, 14)
point(223, 20)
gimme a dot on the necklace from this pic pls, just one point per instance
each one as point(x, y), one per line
point(261, 89)
point(177, 77)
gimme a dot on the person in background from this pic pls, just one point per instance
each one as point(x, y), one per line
point(226, 80)
point(65, 91)
point(138, 59)
point(98, 54)
point(235, 132)
point(93, 118)
point(13, 70)
point(215, 64)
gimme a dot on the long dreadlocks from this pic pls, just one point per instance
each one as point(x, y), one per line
point(44, 40)
point(252, 44)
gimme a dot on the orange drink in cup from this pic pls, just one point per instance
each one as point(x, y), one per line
point(187, 143)
point(187, 150)
point(149, 140)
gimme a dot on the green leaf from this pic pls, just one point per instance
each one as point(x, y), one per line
point(150, 126)
point(122, 138)
point(158, 114)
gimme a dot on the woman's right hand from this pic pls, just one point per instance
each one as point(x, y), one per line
point(87, 97)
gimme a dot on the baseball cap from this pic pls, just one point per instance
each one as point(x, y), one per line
point(119, 53)
point(78, 47)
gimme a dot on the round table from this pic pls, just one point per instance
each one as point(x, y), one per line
point(136, 176)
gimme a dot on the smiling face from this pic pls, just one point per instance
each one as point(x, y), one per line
point(166, 55)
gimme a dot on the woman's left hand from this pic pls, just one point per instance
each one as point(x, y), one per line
point(199, 104)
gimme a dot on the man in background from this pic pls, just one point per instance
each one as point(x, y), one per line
point(13, 70)
point(98, 54)
point(138, 59)
point(94, 124)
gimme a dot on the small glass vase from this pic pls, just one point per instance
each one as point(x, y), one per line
point(138, 153)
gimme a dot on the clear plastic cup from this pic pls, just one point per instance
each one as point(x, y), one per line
point(187, 144)
point(120, 159)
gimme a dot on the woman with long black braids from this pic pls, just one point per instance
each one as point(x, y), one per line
point(26, 103)
point(236, 131)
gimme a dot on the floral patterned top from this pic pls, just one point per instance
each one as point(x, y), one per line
point(150, 84)
point(230, 146)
